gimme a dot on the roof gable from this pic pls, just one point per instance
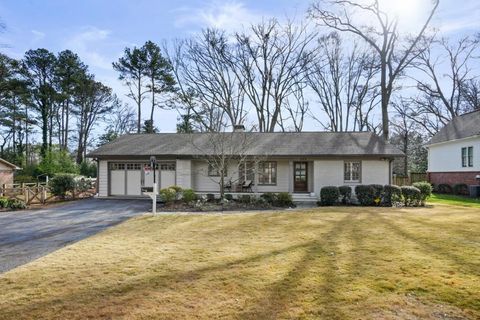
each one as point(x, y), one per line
point(461, 127)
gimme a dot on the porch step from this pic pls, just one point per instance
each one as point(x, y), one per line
point(304, 197)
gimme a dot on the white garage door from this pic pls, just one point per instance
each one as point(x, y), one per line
point(134, 179)
point(117, 179)
point(125, 179)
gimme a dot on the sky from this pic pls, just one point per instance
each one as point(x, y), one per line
point(99, 30)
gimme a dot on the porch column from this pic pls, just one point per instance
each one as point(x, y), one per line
point(255, 177)
point(290, 176)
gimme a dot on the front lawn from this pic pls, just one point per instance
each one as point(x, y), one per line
point(455, 200)
point(326, 263)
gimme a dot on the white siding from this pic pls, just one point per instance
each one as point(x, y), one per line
point(103, 178)
point(330, 173)
point(184, 174)
point(202, 182)
point(447, 157)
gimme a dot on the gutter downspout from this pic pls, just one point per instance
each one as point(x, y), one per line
point(390, 172)
point(97, 182)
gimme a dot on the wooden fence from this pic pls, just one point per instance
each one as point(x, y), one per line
point(408, 180)
point(39, 193)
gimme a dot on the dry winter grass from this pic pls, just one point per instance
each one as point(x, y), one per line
point(327, 263)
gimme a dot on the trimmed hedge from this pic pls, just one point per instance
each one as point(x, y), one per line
point(228, 197)
point(411, 196)
point(245, 199)
point(168, 195)
point(188, 195)
point(270, 197)
point(365, 195)
point(284, 199)
point(425, 190)
point(391, 194)
point(345, 194)
point(444, 188)
point(378, 193)
point(329, 195)
point(461, 189)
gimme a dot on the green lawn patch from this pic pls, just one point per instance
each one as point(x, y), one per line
point(322, 263)
point(455, 200)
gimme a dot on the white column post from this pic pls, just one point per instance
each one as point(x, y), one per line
point(154, 197)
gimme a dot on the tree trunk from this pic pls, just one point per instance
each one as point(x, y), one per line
point(385, 98)
point(44, 148)
point(153, 100)
point(67, 116)
point(139, 101)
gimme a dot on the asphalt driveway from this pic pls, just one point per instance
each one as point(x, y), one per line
point(28, 235)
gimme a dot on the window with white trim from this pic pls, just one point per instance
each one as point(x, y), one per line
point(246, 171)
point(214, 170)
point(352, 171)
point(267, 173)
point(467, 157)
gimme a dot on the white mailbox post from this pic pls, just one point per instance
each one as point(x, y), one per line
point(153, 165)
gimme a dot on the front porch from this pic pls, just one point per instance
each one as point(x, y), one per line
point(296, 197)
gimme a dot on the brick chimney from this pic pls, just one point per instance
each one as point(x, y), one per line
point(238, 128)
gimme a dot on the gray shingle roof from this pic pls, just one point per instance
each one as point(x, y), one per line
point(464, 126)
point(250, 143)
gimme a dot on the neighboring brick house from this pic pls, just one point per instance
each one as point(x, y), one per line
point(454, 152)
point(6, 172)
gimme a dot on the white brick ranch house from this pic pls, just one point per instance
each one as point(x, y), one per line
point(297, 162)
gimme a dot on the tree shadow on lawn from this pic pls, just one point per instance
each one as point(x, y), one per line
point(87, 296)
point(442, 226)
point(282, 295)
point(316, 250)
point(432, 249)
point(441, 253)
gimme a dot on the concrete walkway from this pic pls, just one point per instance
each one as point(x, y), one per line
point(28, 235)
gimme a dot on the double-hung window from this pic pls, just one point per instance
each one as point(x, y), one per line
point(267, 173)
point(214, 170)
point(352, 171)
point(246, 171)
point(467, 157)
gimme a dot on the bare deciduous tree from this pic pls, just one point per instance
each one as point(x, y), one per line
point(394, 52)
point(446, 84)
point(270, 61)
point(344, 81)
point(207, 82)
point(225, 152)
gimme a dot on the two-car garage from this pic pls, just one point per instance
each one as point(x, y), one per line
point(128, 178)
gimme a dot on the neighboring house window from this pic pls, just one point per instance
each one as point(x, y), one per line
point(467, 157)
point(214, 170)
point(470, 156)
point(352, 170)
point(246, 172)
point(267, 172)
